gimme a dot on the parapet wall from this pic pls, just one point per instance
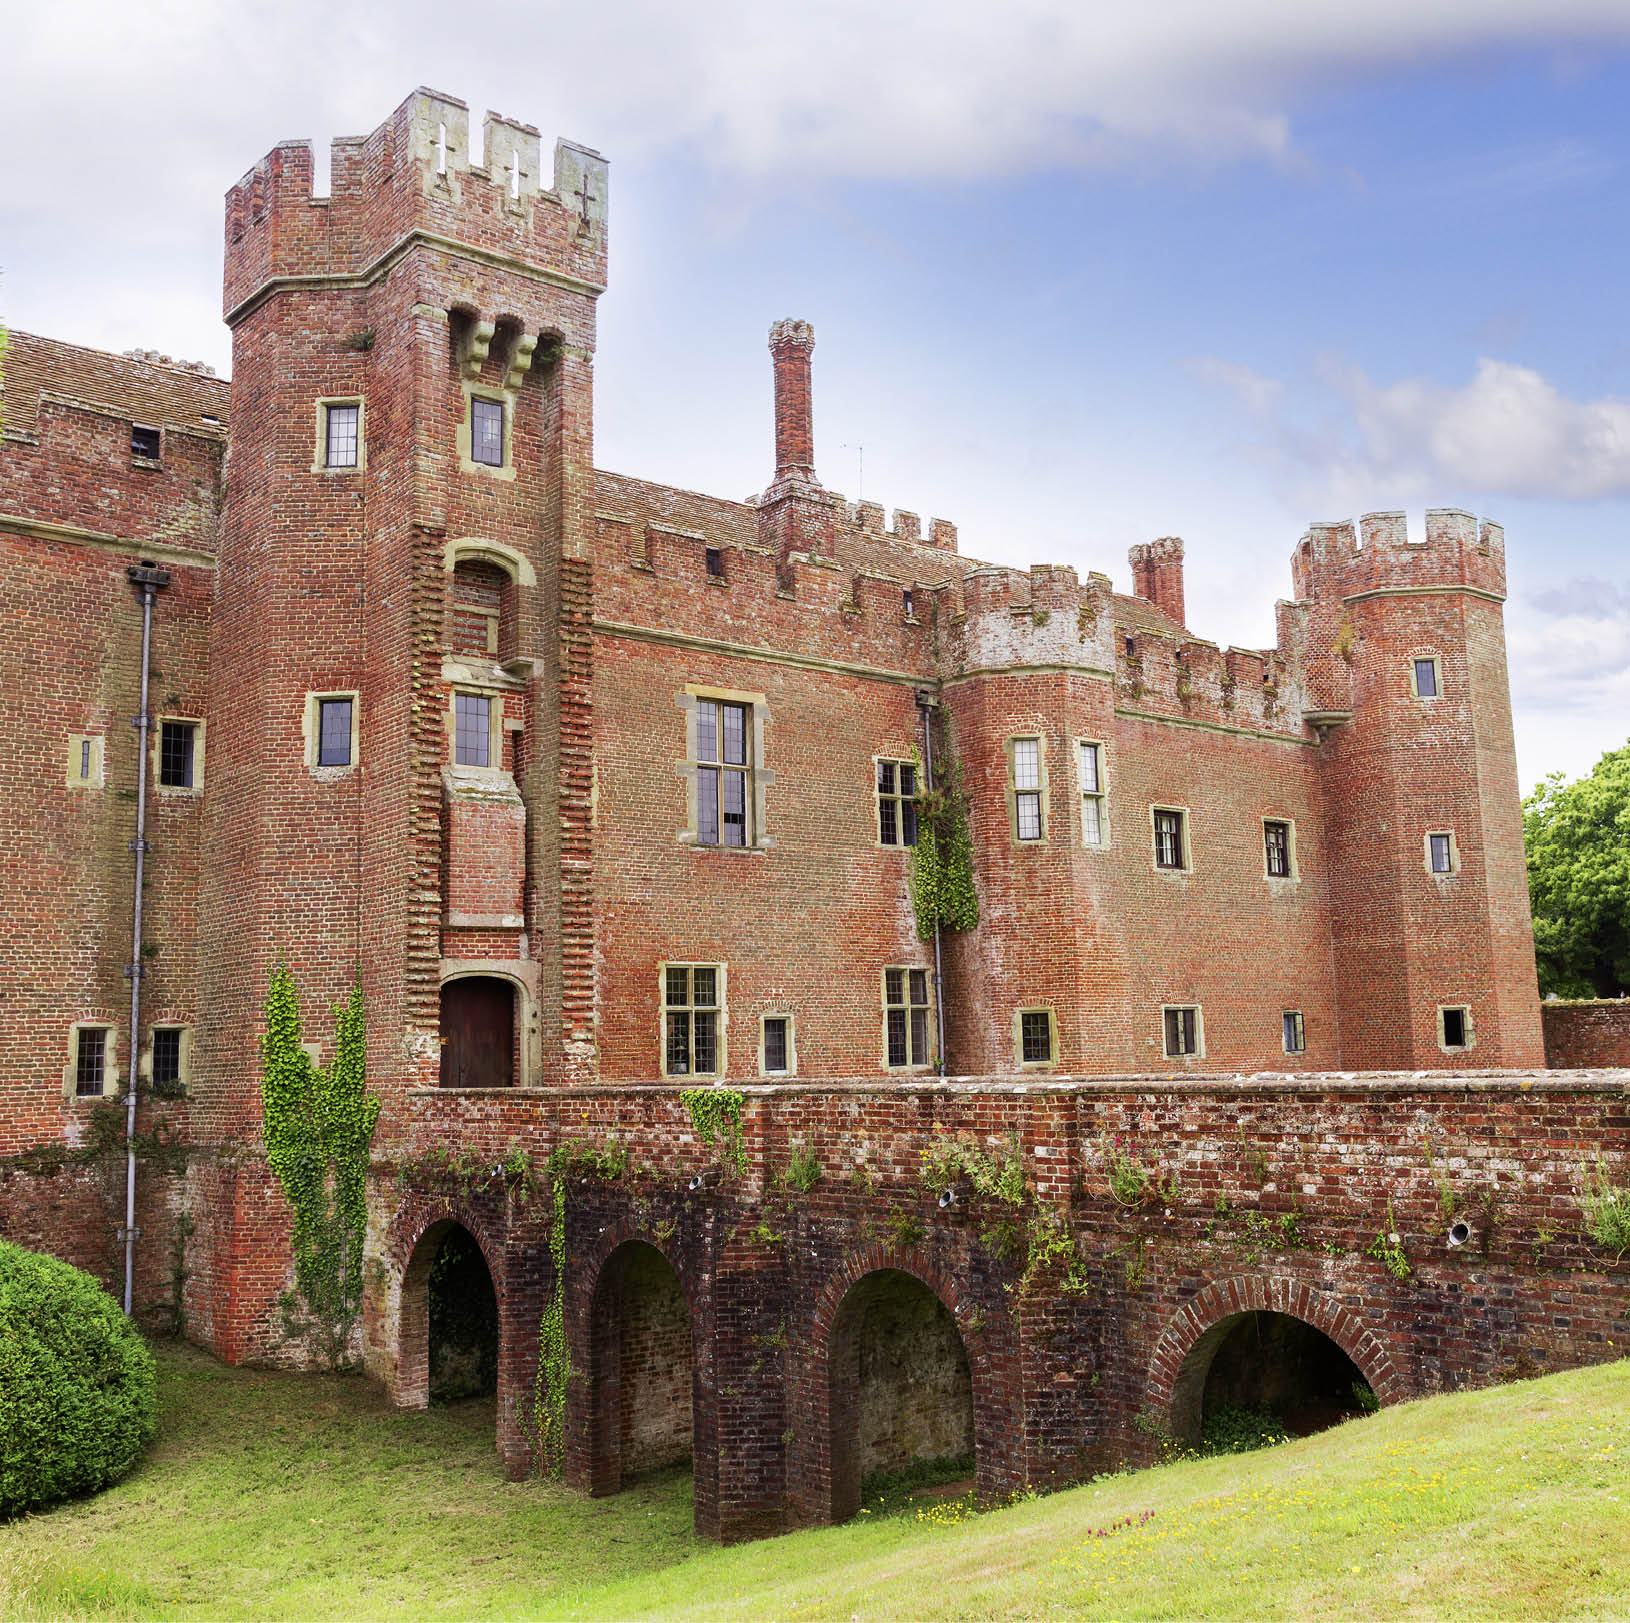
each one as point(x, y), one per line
point(1586, 1034)
point(414, 173)
point(1336, 561)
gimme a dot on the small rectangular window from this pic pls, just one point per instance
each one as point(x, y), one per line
point(340, 436)
point(176, 751)
point(897, 802)
point(775, 1043)
point(722, 750)
point(1182, 1032)
point(1035, 1037)
point(1169, 839)
point(166, 1059)
point(1442, 848)
point(1027, 788)
point(1426, 679)
point(909, 602)
point(472, 729)
point(144, 443)
point(334, 732)
point(715, 563)
point(1454, 1028)
point(905, 1017)
point(1092, 794)
point(1276, 839)
point(1295, 1033)
point(90, 1061)
point(691, 994)
point(487, 432)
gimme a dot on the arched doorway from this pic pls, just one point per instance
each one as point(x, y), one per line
point(478, 1043)
point(642, 1392)
point(901, 1390)
point(462, 1314)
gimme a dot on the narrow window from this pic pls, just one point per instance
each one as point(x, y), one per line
point(715, 563)
point(1443, 852)
point(1035, 1037)
point(1182, 1032)
point(166, 1059)
point(1295, 1033)
point(1426, 678)
point(897, 802)
point(775, 1043)
point(1092, 794)
point(1454, 1028)
point(1027, 788)
point(144, 443)
point(176, 741)
point(909, 599)
point(334, 732)
point(1276, 837)
point(722, 765)
point(85, 758)
point(692, 1036)
point(472, 729)
point(340, 437)
point(487, 432)
point(1169, 839)
point(905, 1017)
point(90, 1061)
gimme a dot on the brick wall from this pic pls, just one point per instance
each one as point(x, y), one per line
point(1587, 1034)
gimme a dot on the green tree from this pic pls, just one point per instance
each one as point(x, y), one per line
point(1578, 840)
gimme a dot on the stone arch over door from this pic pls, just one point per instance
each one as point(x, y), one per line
point(522, 1015)
point(825, 1476)
point(1175, 1388)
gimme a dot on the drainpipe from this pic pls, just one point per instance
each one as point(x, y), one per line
point(925, 707)
point(150, 579)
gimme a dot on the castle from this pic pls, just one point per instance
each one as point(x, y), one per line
point(605, 791)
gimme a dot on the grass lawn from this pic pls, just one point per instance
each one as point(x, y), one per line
point(276, 1496)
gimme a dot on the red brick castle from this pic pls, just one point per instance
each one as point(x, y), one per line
point(607, 790)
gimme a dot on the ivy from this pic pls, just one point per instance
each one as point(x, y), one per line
point(715, 1113)
point(319, 1126)
point(554, 1363)
point(942, 888)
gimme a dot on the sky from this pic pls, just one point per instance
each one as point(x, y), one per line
point(1081, 274)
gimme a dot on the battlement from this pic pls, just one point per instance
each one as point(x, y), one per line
point(414, 173)
point(867, 517)
point(1340, 560)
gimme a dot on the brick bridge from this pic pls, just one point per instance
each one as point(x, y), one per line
point(787, 1339)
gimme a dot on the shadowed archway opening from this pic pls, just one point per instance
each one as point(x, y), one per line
point(642, 1389)
point(478, 1038)
point(1258, 1376)
point(462, 1314)
point(901, 1388)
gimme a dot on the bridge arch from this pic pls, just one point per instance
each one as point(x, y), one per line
point(1175, 1388)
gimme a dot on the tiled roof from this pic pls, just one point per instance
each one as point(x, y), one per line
point(154, 392)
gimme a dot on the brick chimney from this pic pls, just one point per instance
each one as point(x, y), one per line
point(1157, 574)
point(791, 345)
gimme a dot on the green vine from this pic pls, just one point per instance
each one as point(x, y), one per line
point(715, 1113)
point(1388, 1248)
point(554, 1363)
point(996, 1175)
point(942, 888)
point(319, 1126)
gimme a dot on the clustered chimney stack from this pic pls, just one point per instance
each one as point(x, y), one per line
point(791, 344)
point(1157, 574)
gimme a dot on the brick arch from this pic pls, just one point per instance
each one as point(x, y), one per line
point(828, 1477)
point(595, 1462)
point(413, 1225)
point(1182, 1357)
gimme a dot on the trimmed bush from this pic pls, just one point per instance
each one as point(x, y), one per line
point(78, 1397)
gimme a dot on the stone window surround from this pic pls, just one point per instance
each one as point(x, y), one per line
point(494, 695)
point(1199, 1050)
point(1437, 667)
point(144, 1064)
point(792, 1042)
point(1469, 1027)
point(1295, 874)
point(155, 745)
point(506, 398)
point(311, 732)
point(721, 1006)
point(1301, 1025)
point(1454, 853)
point(927, 972)
point(110, 1062)
point(319, 456)
point(1041, 791)
point(523, 976)
point(898, 759)
point(1052, 1037)
point(76, 753)
point(1185, 831)
point(760, 778)
point(1101, 795)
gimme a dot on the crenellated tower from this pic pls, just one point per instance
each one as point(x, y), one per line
point(1405, 668)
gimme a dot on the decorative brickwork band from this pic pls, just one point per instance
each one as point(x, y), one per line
point(791, 345)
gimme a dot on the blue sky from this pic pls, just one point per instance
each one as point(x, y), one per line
point(1078, 278)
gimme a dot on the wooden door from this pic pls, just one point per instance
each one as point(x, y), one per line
point(478, 1033)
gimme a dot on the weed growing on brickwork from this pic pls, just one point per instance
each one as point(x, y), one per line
point(995, 1175)
point(905, 1229)
point(607, 1161)
point(715, 1113)
point(942, 887)
point(803, 1169)
point(1049, 1246)
point(1131, 1183)
point(319, 1127)
point(1388, 1248)
point(104, 1138)
point(1607, 1210)
point(1448, 1200)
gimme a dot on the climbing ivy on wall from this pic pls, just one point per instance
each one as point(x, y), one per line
point(319, 1127)
point(715, 1113)
point(942, 889)
point(554, 1364)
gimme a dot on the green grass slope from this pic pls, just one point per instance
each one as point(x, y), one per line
point(272, 1496)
